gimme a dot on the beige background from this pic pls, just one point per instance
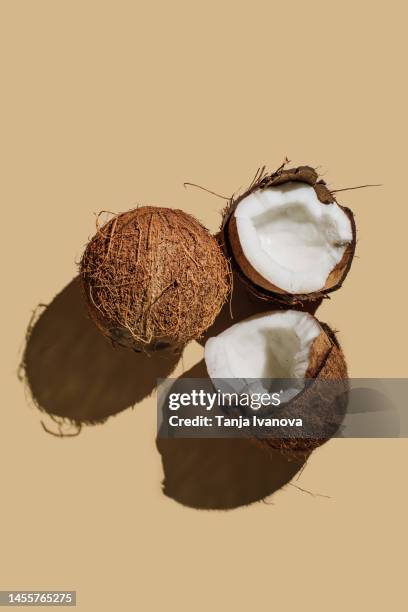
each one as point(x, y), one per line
point(108, 104)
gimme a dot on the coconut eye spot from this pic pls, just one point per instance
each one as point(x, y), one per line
point(290, 238)
point(161, 345)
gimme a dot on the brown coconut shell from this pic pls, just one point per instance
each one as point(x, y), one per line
point(154, 278)
point(323, 401)
point(230, 242)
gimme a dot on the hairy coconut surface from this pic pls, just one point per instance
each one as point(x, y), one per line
point(308, 246)
point(291, 346)
point(154, 277)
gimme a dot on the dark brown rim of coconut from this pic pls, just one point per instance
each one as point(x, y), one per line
point(327, 363)
point(230, 242)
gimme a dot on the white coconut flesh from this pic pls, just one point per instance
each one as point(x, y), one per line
point(269, 346)
point(290, 238)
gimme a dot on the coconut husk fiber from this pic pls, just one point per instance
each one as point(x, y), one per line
point(230, 240)
point(154, 278)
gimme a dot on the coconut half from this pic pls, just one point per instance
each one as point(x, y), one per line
point(288, 237)
point(275, 345)
point(291, 346)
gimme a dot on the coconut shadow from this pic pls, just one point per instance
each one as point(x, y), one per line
point(72, 371)
point(243, 304)
point(222, 473)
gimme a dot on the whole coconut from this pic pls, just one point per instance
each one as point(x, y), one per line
point(154, 278)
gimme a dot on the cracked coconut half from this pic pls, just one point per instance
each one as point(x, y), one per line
point(294, 348)
point(288, 237)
